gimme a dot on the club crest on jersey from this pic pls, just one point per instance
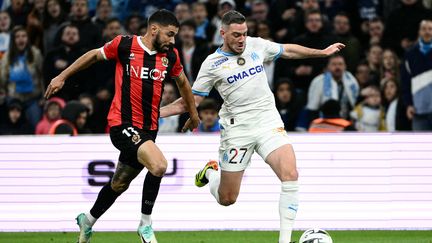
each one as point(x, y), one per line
point(131, 56)
point(164, 61)
point(241, 61)
point(254, 56)
point(136, 139)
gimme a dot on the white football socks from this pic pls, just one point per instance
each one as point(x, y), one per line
point(213, 176)
point(91, 220)
point(145, 219)
point(288, 204)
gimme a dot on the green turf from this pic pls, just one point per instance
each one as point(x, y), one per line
point(221, 237)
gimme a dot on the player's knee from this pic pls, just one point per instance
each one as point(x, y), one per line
point(290, 175)
point(119, 186)
point(159, 169)
point(227, 199)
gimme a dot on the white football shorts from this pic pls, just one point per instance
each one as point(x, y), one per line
point(238, 143)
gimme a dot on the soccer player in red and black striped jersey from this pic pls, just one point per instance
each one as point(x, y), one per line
point(142, 65)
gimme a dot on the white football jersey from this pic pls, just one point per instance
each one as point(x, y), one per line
point(241, 81)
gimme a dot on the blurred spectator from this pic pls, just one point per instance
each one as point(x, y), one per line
point(74, 118)
point(104, 87)
point(142, 29)
point(289, 103)
point(336, 83)
point(61, 57)
point(352, 50)
point(5, 26)
point(18, 11)
point(375, 31)
point(315, 37)
point(34, 24)
point(103, 13)
point(52, 112)
point(133, 23)
point(54, 17)
point(389, 5)
point(390, 66)
point(3, 105)
point(331, 8)
point(182, 12)
point(112, 29)
point(368, 9)
point(403, 23)
point(21, 73)
point(396, 119)
point(362, 74)
point(223, 7)
point(330, 120)
point(252, 26)
point(208, 113)
point(374, 60)
point(16, 123)
point(119, 9)
point(204, 29)
point(93, 124)
point(259, 10)
point(90, 34)
point(364, 11)
point(300, 15)
point(192, 54)
point(212, 7)
point(427, 4)
point(369, 115)
point(263, 31)
point(169, 124)
point(416, 76)
point(282, 15)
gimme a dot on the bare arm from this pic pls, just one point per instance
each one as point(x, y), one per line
point(186, 93)
point(185, 103)
point(81, 63)
point(294, 51)
point(178, 106)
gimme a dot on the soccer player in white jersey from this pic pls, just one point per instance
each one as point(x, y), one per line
point(249, 118)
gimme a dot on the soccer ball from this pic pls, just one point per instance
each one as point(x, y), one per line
point(315, 236)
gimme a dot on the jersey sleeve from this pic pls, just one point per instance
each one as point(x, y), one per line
point(272, 50)
point(204, 81)
point(110, 49)
point(177, 67)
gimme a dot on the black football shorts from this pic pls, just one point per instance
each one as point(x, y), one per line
point(127, 138)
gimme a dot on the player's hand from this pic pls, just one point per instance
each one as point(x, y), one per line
point(55, 86)
point(332, 49)
point(410, 112)
point(191, 124)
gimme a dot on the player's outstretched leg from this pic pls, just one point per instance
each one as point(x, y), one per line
point(201, 178)
point(85, 228)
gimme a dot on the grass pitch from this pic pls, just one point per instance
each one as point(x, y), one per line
point(220, 237)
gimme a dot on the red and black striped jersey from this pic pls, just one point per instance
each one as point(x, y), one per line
point(139, 78)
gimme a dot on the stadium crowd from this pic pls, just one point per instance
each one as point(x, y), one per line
point(381, 81)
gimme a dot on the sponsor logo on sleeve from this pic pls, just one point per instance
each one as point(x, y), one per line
point(219, 62)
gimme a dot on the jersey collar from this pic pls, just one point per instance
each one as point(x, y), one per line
point(228, 54)
point(150, 52)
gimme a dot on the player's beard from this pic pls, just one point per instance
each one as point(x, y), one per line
point(159, 46)
point(236, 52)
